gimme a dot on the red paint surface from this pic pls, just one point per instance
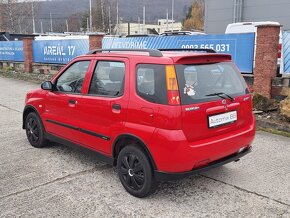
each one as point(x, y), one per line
point(178, 140)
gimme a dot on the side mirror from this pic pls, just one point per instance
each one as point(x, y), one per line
point(46, 86)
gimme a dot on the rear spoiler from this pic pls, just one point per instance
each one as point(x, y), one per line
point(202, 58)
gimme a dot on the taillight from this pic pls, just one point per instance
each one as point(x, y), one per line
point(172, 86)
point(279, 50)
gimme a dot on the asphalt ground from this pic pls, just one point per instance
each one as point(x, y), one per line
point(57, 181)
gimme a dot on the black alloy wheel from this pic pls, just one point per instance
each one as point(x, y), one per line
point(135, 171)
point(35, 131)
point(132, 171)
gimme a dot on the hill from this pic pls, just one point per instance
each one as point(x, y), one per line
point(129, 10)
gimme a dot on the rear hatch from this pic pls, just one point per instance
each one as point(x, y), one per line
point(214, 98)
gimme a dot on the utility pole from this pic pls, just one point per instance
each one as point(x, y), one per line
point(103, 16)
point(51, 29)
point(41, 27)
point(144, 14)
point(139, 25)
point(88, 25)
point(33, 19)
point(117, 24)
point(167, 19)
point(12, 29)
point(110, 24)
point(19, 24)
point(172, 15)
point(91, 17)
point(66, 25)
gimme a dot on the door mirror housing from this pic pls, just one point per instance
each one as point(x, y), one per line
point(47, 85)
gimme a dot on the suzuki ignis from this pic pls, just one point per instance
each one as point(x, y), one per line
point(155, 115)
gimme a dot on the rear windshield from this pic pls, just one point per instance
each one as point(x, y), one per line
point(198, 83)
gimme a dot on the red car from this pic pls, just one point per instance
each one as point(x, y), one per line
point(156, 115)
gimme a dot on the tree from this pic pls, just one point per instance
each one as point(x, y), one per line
point(75, 22)
point(100, 12)
point(85, 21)
point(17, 16)
point(7, 15)
point(1, 17)
point(195, 17)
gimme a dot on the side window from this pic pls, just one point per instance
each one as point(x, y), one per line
point(72, 79)
point(108, 79)
point(151, 83)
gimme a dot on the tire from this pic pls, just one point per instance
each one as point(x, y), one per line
point(135, 171)
point(35, 131)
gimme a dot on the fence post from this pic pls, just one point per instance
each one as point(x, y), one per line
point(267, 41)
point(28, 54)
point(95, 41)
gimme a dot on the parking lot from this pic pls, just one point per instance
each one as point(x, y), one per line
point(61, 181)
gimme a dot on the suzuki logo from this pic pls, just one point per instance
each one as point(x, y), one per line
point(224, 102)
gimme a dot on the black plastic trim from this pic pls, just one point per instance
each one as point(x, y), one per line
point(116, 106)
point(72, 101)
point(152, 52)
point(81, 130)
point(62, 124)
point(25, 109)
point(141, 143)
point(95, 134)
point(87, 150)
point(163, 176)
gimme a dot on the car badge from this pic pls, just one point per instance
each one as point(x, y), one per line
point(224, 102)
point(192, 108)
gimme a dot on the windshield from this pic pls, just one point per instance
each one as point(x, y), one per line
point(206, 82)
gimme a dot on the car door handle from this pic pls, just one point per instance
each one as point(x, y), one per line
point(116, 107)
point(72, 101)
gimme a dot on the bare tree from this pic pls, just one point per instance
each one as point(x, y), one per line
point(7, 15)
point(1, 17)
point(75, 22)
point(101, 14)
point(17, 16)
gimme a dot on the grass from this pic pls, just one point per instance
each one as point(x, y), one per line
point(31, 77)
point(274, 131)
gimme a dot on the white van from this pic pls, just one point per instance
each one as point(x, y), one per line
point(251, 27)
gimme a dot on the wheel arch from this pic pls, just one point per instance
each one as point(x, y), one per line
point(27, 110)
point(125, 139)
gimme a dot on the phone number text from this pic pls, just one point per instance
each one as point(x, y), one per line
point(216, 47)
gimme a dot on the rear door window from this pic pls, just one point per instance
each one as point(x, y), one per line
point(151, 83)
point(108, 79)
point(197, 83)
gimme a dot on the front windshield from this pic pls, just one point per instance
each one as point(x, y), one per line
point(198, 83)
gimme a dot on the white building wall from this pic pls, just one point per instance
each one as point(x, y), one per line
point(136, 28)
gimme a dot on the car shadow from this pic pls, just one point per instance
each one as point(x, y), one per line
point(80, 154)
point(189, 186)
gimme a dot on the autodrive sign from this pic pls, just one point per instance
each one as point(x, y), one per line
point(240, 46)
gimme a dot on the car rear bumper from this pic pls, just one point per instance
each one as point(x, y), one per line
point(164, 176)
point(175, 154)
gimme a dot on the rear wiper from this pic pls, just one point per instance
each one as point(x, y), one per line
point(221, 95)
